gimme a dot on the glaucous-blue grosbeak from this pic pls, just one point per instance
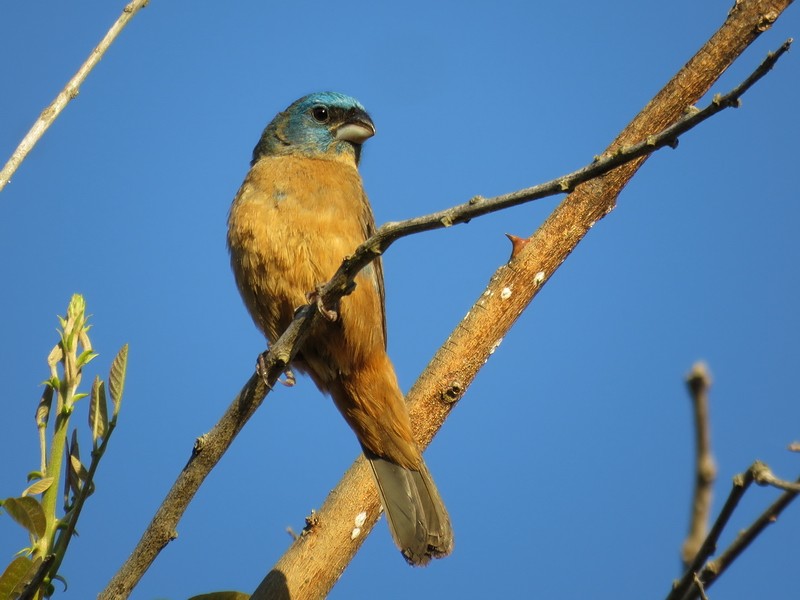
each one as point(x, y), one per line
point(301, 210)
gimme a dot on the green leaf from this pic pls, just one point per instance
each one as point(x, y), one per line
point(37, 487)
point(72, 482)
point(27, 512)
point(84, 338)
point(55, 356)
point(98, 411)
point(16, 576)
point(76, 472)
point(86, 357)
point(77, 305)
point(79, 396)
point(54, 382)
point(78, 468)
point(116, 378)
point(43, 410)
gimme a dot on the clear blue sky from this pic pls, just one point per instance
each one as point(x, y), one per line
point(567, 465)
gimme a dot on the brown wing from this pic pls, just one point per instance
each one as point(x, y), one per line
point(377, 265)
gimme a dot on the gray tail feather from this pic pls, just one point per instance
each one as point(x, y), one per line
point(417, 518)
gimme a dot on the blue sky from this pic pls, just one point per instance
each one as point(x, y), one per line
point(567, 466)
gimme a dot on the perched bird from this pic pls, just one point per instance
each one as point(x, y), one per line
point(301, 210)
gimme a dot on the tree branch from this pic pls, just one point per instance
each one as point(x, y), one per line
point(69, 92)
point(714, 569)
point(699, 381)
point(313, 563)
point(317, 558)
point(695, 580)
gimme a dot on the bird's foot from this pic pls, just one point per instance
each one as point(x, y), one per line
point(329, 314)
point(289, 379)
point(261, 369)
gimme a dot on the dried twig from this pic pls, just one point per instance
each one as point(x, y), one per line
point(697, 580)
point(69, 92)
point(709, 545)
point(714, 569)
point(699, 381)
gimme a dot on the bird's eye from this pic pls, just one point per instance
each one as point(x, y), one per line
point(320, 114)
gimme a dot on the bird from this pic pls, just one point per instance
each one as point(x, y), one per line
point(299, 212)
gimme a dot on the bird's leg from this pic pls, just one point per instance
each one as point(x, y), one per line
point(263, 372)
point(315, 297)
point(290, 379)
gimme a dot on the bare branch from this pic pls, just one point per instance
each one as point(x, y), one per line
point(695, 581)
point(319, 556)
point(613, 158)
point(699, 381)
point(312, 564)
point(763, 475)
point(69, 92)
point(684, 585)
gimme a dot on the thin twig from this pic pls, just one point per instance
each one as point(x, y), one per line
point(714, 569)
point(699, 381)
point(479, 206)
point(69, 92)
point(684, 585)
point(763, 475)
point(696, 580)
point(700, 589)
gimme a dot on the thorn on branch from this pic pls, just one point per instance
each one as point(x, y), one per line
point(517, 244)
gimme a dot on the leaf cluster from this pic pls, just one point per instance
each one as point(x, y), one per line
point(31, 573)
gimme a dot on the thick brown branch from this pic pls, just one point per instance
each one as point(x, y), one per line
point(699, 382)
point(69, 92)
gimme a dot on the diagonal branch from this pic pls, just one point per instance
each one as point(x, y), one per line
point(715, 568)
point(314, 562)
point(479, 206)
point(696, 579)
point(69, 92)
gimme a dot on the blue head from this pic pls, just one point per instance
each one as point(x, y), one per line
point(325, 123)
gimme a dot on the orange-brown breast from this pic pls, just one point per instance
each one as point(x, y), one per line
point(291, 224)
